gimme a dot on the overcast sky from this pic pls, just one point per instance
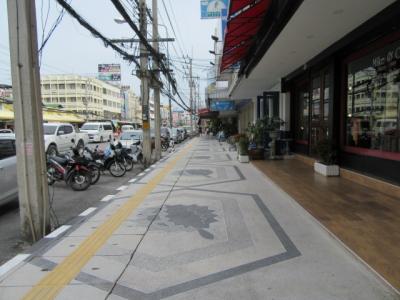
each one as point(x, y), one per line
point(73, 50)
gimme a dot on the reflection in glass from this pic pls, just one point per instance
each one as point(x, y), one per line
point(373, 109)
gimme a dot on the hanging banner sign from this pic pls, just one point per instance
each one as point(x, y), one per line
point(211, 9)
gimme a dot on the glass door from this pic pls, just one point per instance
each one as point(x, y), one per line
point(319, 107)
point(302, 104)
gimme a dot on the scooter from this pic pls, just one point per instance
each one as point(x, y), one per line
point(110, 159)
point(136, 152)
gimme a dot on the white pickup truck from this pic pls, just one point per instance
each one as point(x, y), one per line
point(60, 137)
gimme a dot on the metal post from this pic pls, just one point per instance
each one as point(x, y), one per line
point(31, 167)
point(156, 87)
point(144, 76)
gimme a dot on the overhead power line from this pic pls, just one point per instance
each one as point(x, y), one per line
point(156, 55)
point(96, 33)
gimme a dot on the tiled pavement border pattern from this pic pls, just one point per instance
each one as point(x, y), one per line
point(211, 229)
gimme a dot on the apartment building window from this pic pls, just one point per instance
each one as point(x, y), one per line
point(104, 91)
point(104, 102)
point(46, 86)
point(83, 86)
point(71, 86)
point(62, 99)
point(61, 86)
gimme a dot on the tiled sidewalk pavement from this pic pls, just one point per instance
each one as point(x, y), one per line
point(202, 226)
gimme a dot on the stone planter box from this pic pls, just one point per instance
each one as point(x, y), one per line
point(243, 158)
point(326, 170)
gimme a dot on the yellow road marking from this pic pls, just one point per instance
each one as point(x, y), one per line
point(69, 268)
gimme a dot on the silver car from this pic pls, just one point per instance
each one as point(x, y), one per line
point(8, 169)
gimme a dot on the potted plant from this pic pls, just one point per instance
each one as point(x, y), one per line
point(244, 149)
point(256, 134)
point(326, 165)
point(272, 126)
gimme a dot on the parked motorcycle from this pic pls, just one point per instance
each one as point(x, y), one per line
point(127, 159)
point(165, 143)
point(136, 152)
point(110, 159)
point(74, 171)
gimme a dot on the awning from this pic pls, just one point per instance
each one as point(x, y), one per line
point(244, 21)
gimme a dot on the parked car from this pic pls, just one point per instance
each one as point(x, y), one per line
point(165, 132)
point(98, 131)
point(176, 135)
point(60, 137)
point(127, 128)
point(127, 138)
point(182, 133)
point(3, 131)
point(8, 169)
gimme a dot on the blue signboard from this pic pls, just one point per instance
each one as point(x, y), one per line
point(211, 9)
point(224, 21)
point(222, 105)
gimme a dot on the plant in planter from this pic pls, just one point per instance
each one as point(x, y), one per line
point(327, 163)
point(256, 134)
point(243, 149)
point(272, 126)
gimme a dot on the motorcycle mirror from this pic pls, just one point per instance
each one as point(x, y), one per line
point(73, 141)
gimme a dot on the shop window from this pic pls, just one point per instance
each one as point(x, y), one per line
point(372, 123)
point(316, 98)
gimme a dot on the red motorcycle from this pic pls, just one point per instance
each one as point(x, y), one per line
point(74, 171)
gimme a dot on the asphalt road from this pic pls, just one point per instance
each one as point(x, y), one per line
point(66, 203)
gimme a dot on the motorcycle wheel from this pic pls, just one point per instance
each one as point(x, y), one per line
point(95, 170)
point(164, 146)
point(128, 163)
point(80, 180)
point(117, 169)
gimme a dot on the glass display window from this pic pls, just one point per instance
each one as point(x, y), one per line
point(373, 105)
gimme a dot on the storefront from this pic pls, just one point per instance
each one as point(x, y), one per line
point(351, 97)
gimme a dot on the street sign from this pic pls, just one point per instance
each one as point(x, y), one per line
point(211, 9)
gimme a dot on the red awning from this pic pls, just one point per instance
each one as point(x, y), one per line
point(242, 28)
point(237, 5)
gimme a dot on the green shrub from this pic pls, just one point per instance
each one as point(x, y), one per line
point(326, 152)
point(243, 146)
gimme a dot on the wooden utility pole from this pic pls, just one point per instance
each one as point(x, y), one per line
point(144, 76)
point(31, 160)
point(156, 86)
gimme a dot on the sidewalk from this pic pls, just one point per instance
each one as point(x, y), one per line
point(198, 225)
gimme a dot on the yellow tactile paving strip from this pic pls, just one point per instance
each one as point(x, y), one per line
point(69, 268)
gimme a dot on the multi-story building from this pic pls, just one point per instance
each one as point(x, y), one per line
point(132, 110)
point(82, 94)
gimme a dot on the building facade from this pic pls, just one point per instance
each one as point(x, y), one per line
point(81, 94)
point(340, 85)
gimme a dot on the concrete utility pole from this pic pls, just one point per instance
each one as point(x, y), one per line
point(31, 167)
point(144, 76)
point(191, 93)
point(156, 87)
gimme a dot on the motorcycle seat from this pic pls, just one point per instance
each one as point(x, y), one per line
point(61, 160)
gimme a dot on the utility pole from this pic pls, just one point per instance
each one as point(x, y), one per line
point(156, 87)
point(144, 76)
point(191, 93)
point(169, 92)
point(33, 191)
